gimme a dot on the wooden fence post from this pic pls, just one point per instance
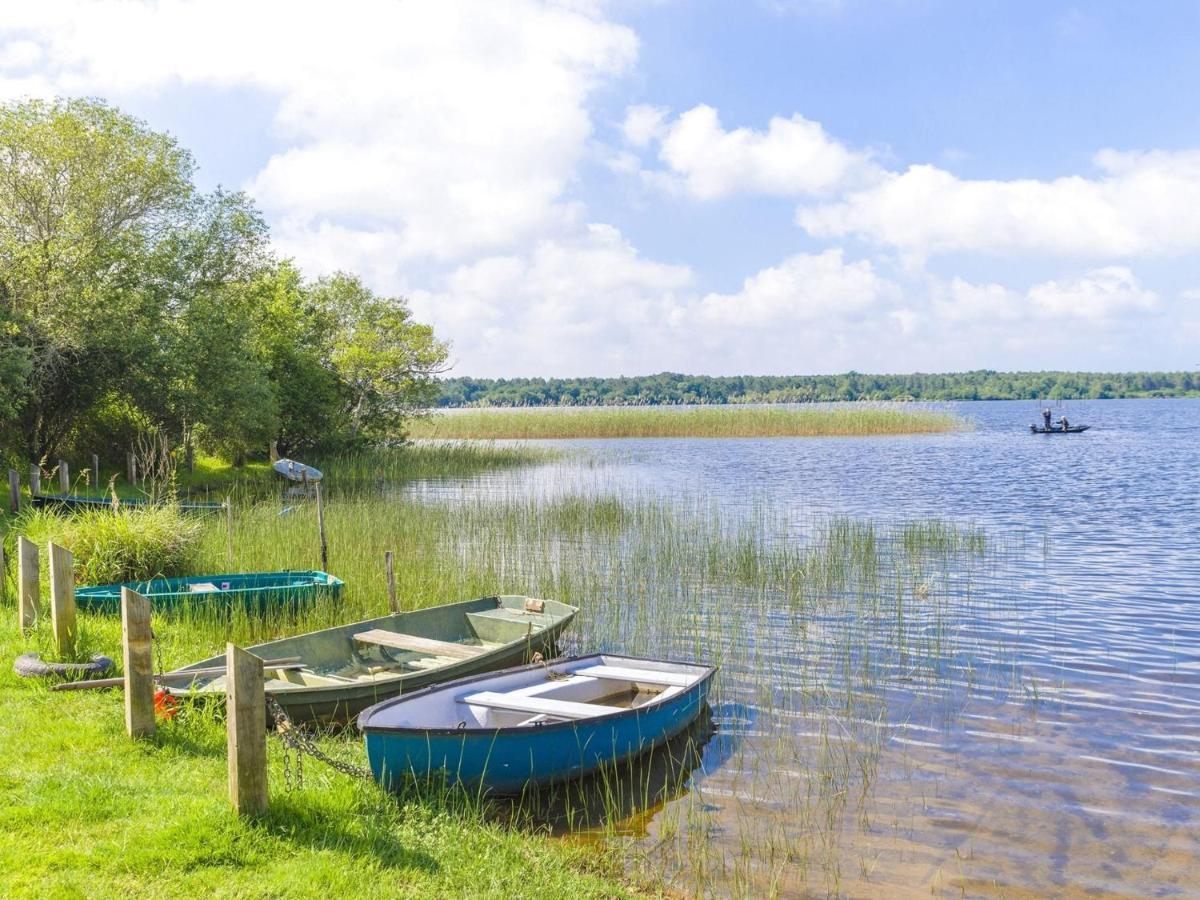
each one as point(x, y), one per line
point(3, 575)
point(64, 477)
point(136, 641)
point(14, 490)
point(131, 467)
point(62, 598)
point(95, 476)
point(246, 736)
point(321, 530)
point(35, 480)
point(29, 582)
point(229, 531)
point(393, 603)
point(274, 452)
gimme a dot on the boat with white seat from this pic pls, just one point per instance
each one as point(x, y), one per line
point(533, 724)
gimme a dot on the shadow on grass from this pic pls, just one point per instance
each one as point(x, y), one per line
point(295, 821)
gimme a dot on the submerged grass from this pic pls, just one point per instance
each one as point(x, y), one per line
point(841, 419)
point(807, 635)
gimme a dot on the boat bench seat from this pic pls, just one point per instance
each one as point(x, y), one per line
point(428, 646)
point(560, 709)
point(646, 676)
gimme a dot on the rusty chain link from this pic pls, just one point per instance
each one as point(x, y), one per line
point(297, 742)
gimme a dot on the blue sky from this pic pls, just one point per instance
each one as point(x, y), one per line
point(780, 186)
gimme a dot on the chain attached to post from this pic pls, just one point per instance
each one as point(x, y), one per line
point(297, 743)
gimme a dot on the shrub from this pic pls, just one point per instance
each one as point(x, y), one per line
point(122, 545)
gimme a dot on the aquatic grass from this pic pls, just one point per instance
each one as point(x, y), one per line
point(838, 419)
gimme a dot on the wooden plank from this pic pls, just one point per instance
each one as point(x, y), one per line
point(14, 491)
point(419, 644)
point(94, 684)
point(320, 525)
point(560, 709)
point(389, 564)
point(646, 676)
point(139, 664)
point(246, 718)
point(64, 477)
point(35, 480)
point(94, 475)
point(29, 582)
point(62, 599)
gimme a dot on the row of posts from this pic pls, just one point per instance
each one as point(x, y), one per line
point(64, 478)
point(246, 710)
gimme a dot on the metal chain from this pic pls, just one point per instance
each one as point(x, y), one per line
point(299, 743)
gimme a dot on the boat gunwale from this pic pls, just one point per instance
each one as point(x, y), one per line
point(298, 693)
point(365, 727)
point(105, 591)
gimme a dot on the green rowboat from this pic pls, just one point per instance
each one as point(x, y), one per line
point(76, 503)
point(253, 591)
point(334, 674)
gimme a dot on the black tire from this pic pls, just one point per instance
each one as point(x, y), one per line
point(31, 665)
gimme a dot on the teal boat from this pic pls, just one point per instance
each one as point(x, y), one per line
point(334, 674)
point(533, 726)
point(77, 502)
point(254, 591)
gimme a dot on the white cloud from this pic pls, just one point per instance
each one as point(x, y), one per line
point(803, 288)
point(446, 126)
point(643, 124)
point(793, 157)
point(1141, 204)
point(1100, 294)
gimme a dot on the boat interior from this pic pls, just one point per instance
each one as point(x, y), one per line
point(578, 689)
point(393, 647)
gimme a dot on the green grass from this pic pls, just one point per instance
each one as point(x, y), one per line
point(850, 419)
point(651, 577)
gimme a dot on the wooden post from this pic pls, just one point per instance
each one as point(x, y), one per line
point(136, 641)
point(14, 490)
point(62, 598)
point(131, 467)
point(29, 582)
point(64, 477)
point(35, 480)
point(229, 531)
point(3, 575)
point(274, 452)
point(246, 736)
point(95, 476)
point(321, 530)
point(393, 603)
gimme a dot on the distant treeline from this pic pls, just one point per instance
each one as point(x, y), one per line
point(668, 387)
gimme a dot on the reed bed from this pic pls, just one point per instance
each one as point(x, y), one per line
point(818, 420)
point(812, 638)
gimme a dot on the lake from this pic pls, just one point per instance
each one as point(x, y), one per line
point(1025, 721)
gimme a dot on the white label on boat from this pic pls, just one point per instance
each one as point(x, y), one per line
point(204, 587)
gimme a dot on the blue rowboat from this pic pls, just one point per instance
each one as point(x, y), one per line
point(533, 725)
point(77, 502)
point(254, 591)
point(296, 471)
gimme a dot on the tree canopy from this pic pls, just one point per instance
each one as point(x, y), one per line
point(130, 300)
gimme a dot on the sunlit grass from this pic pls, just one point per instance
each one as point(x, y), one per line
point(849, 419)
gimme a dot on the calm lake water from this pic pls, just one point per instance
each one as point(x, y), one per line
point(1056, 748)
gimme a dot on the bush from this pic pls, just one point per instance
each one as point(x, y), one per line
point(122, 545)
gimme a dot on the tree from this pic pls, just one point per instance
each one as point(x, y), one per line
point(387, 362)
point(86, 194)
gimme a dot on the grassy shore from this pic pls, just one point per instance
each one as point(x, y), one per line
point(849, 419)
point(84, 809)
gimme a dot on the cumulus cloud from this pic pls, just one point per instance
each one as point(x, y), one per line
point(1139, 204)
point(792, 158)
point(444, 125)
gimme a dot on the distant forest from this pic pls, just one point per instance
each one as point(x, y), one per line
point(668, 388)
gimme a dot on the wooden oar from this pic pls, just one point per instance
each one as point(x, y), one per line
point(290, 662)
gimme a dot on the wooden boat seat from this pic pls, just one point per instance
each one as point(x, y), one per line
point(646, 676)
point(560, 709)
point(428, 646)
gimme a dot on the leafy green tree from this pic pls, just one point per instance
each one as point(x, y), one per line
point(387, 362)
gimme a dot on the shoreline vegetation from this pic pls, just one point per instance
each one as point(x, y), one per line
point(838, 420)
point(670, 388)
point(152, 816)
